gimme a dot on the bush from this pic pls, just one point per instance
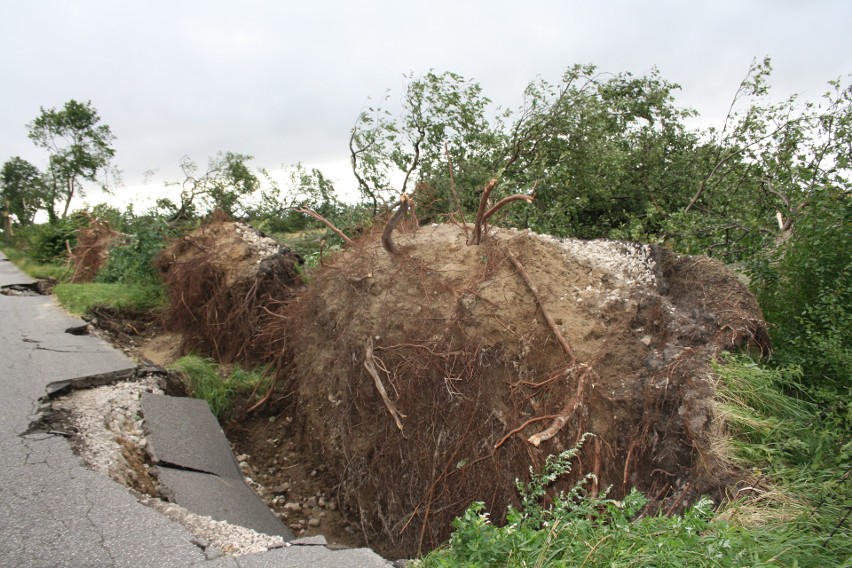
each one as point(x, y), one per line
point(132, 260)
point(805, 290)
point(49, 242)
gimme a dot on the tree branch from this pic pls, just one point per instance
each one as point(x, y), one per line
point(476, 238)
point(329, 224)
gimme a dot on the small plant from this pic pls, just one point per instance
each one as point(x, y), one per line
point(207, 381)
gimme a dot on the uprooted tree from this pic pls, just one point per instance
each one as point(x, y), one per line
point(436, 376)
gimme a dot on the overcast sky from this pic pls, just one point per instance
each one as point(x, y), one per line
point(284, 81)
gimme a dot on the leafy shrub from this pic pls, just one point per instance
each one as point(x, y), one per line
point(805, 290)
point(49, 242)
point(132, 260)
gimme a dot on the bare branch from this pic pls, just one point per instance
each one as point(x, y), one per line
point(329, 224)
point(506, 200)
point(476, 238)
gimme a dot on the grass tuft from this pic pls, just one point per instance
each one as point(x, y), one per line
point(82, 298)
point(208, 381)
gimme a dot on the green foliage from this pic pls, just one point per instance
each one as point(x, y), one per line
point(79, 299)
point(80, 148)
point(441, 114)
point(207, 381)
point(22, 189)
point(131, 260)
point(805, 290)
point(226, 182)
point(49, 242)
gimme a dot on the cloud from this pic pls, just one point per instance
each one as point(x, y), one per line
point(285, 81)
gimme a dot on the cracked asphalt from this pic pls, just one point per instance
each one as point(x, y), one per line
point(54, 512)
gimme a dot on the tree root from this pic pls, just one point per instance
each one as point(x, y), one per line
point(370, 365)
point(547, 317)
point(387, 236)
point(573, 405)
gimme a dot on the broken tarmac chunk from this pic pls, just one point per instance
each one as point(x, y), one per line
point(183, 433)
point(220, 498)
point(196, 467)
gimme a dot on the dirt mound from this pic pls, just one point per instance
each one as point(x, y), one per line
point(92, 250)
point(432, 379)
point(222, 280)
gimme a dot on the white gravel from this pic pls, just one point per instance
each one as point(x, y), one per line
point(264, 247)
point(106, 414)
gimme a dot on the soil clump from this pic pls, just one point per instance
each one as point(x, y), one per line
point(435, 377)
point(92, 250)
point(222, 280)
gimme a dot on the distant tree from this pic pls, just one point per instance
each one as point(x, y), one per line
point(226, 181)
point(80, 148)
point(22, 189)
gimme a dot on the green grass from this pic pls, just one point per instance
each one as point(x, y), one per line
point(37, 270)
point(81, 298)
point(796, 514)
point(208, 381)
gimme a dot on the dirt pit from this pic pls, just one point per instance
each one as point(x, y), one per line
point(421, 382)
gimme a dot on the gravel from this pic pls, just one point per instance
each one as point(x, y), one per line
point(107, 420)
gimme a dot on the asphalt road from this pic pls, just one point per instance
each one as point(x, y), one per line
point(54, 512)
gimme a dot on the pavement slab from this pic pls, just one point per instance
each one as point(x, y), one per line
point(183, 433)
point(221, 498)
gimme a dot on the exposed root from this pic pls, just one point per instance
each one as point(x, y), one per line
point(547, 317)
point(370, 365)
point(573, 405)
point(387, 236)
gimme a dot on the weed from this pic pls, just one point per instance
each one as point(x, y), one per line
point(207, 381)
